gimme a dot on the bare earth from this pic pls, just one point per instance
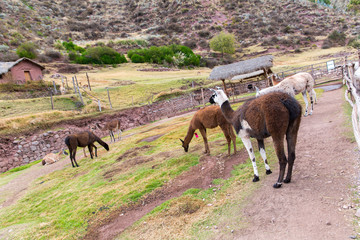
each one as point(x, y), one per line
point(315, 205)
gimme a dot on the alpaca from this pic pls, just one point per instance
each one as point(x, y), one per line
point(52, 157)
point(112, 127)
point(275, 114)
point(209, 117)
point(83, 139)
point(299, 83)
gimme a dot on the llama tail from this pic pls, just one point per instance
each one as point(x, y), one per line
point(293, 107)
point(102, 143)
point(67, 141)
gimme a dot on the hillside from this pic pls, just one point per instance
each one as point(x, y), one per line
point(273, 24)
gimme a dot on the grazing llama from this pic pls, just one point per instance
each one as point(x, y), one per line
point(299, 83)
point(83, 139)
point(275, 114)
point(112, 126)
point(52, 157)
point(209, 117)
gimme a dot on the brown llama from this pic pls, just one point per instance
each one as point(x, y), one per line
point(83, 139)
point(276, 114)
point(209, 117)
point(112, 126)
point(52, 157)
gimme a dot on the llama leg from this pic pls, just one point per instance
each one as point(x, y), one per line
point(247, 143)
point(280, 153)
point(233, 137)
point(228, 139)
point(203, 134)
point(90, 151)
point(263, 155)
point(84, 152)
point(291, 138)
point(306, 103)
point(71, 157)
point(314, 94)
point(74, 154)
point(311, 101)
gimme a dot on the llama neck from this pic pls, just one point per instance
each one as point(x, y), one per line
point(189, 135)
point(269, 90)
point(227, 111)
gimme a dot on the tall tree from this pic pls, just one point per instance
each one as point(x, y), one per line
point(224, 43)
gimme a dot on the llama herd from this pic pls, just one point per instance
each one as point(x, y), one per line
point(273, 112)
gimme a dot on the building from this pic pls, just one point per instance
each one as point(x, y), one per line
point(20, 71)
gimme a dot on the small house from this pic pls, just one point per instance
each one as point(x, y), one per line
point(20, 71)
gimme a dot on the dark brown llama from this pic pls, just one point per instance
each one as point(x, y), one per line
point(112, 126)
point(209, 117)
point(275, 114)
point(83, 139)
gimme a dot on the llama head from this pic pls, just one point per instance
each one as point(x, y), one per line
point(185, 146)
point(218, 97)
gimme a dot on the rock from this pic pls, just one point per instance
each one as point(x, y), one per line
point(35, 143)
point(33, 148)
point(357, 213)
point(328, 223)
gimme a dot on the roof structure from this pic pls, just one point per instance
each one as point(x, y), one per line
point(6, 66)
point(246, 67)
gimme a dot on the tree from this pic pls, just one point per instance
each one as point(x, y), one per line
point(223, 42)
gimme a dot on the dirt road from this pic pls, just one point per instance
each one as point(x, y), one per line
point(317, 203)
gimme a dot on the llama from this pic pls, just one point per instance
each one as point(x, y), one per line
point(275, 114)
point(83, 139)
point(209, 117)
point(112, 126)
point(52, 157)
point(299, 83)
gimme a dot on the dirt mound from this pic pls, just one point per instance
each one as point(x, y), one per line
point(200, 176)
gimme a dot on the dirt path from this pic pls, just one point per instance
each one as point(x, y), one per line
point(316, 204)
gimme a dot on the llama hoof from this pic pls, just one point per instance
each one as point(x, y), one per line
point(256, 178)
point(287, 180)
point(268, 172)
point(277, 185)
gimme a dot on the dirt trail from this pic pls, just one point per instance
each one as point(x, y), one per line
point(315, 205)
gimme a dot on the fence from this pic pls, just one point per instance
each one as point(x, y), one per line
point(352, 82)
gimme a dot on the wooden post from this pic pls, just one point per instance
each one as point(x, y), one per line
point(109, 96)
point(80, 95)
point(191, 100)
point(62, 82)
point(74, 84)
point(55, 91)
point(52, 101)
point(99, 105)
point(88, 81)
point(202, 95)
point(192, 84)
point(76, 81)
point(67, 85)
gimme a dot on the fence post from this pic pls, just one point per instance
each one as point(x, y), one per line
point(202, 95)
point(80, 95)
point(74, 84)
point(67, 85)
point(62, 82)
point(88, 81)
point(55, 91)
point(76, 81)
point(108, 96)
point(52, 101)
point(99, 105)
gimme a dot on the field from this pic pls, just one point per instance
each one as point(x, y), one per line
point(146, 168)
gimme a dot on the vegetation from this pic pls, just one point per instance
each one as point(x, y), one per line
point(100, 55)
point(224, 43)
point(334, 39)
point(28, 50)
point(177, 55)
point(354, 5)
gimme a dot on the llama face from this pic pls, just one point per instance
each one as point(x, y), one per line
point(218, 97)
point(186, 147)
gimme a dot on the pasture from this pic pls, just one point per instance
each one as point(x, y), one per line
point(146, 168)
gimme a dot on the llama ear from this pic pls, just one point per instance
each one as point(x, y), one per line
point(257, 89)
point(212, 90)
point(218, 88)
point(181, 140)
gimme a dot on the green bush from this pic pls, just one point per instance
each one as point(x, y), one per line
point(354, 5)
point(177, 55)
point(135, 58)
point(28, 50)
point(100, 55)
point(70, 46)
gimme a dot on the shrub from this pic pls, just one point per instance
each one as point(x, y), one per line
point(100, 55)
point(135, 58)
point(223, 42)
point(354, 43)
point(28, 50)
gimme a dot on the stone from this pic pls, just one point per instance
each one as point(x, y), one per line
point(357, 213)
point(33, 138)
point(35, 143)
point(33, 148)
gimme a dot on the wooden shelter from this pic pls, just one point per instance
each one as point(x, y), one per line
point(260, 66)
point(20, 71)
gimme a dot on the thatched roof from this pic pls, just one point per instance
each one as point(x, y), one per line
point(242, 67)
point(6, 66)
point(248, 75)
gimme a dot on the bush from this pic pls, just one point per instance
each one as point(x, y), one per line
point(135, 58)
point(223, 42)
point(100, 55)
point(28, 50)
